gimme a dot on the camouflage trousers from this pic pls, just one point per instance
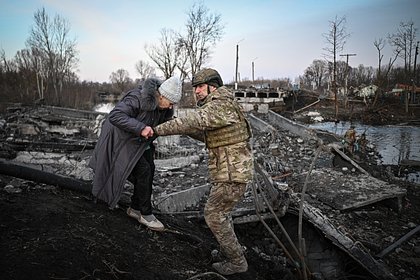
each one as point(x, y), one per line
point(217, 213)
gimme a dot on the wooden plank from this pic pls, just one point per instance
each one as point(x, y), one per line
point(394, 201)
point(390, 248)
point(344, 156)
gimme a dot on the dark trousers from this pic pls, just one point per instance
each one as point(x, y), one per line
point(142, 179)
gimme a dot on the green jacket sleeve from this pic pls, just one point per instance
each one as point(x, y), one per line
point(213, 115)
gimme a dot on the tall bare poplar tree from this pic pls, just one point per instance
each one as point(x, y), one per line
point(50, 39)
point(335, 39)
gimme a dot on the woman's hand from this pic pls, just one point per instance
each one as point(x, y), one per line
point(147, 132)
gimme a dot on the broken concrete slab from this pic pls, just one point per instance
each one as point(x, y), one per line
point(296, 148)
point(181, 201)
point(56, 163)
point(341, 239)
point(176, 162)
point(345, 191)
point(294, 127)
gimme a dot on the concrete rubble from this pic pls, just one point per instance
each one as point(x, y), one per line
point(291, 157)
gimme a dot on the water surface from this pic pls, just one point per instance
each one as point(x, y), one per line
point(393, 143)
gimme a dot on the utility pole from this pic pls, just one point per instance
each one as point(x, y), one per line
point(416, 80)
point(237, 61)
point(253, 69)
point(347, 73)
point(236, 69)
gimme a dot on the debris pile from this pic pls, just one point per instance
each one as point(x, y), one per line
point(349, 216)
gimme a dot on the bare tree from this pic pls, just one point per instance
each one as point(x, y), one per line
point(166, 54)
point(145, 70)
point(31, 70)
point(379, 45)
point(335, 39)
point(50, 38)
point(188, 52)
point(404, 42)
point(120, 79)
point(26, 73)
point(203, 31)
point(315, 74)
point(41, 69)
point(361, 75)
point(4, 62)
point(341, 67)
point(182, 64)
point(383, 71)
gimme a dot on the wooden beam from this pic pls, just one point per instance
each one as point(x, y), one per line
point(390, 248)
point(344, 156)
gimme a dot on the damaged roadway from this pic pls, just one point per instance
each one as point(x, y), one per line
point(349, 217)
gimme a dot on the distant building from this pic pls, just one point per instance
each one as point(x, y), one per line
point(260, 99)
point(108, 97)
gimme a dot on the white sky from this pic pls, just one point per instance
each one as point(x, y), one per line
point(282, 37)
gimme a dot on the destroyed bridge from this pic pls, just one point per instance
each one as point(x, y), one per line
point(296, 183)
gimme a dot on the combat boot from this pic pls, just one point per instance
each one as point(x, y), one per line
point(228, 268)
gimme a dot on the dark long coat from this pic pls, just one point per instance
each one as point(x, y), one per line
point(119, 146)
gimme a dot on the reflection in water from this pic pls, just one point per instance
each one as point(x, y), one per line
point(405, 146)
point(397, 143)
point(393, 143)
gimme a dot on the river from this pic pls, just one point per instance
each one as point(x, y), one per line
point(394, 143)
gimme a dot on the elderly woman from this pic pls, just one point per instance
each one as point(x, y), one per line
point(122, 151)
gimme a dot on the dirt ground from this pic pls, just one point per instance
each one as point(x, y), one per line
point(53, 233)
point(49, 232)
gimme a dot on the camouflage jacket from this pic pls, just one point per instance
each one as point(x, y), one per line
point(228, 163)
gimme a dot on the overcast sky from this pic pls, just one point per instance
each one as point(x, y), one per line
point(282, 37)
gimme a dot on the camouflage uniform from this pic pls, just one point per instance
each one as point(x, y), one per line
point(226, 134)
point(350, 139)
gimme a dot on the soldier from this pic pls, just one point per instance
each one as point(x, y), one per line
point(350, 139)
point(362, 143)
point(226, 133)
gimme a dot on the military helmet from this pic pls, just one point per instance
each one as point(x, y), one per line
point(207, 76)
